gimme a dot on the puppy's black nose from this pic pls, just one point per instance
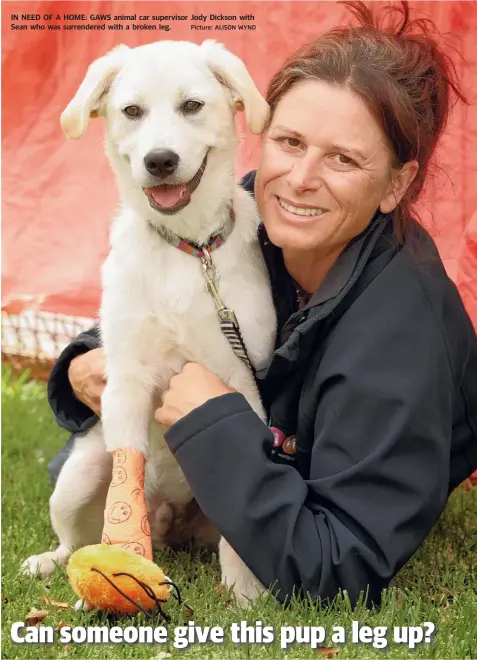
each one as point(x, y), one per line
point(161, 162)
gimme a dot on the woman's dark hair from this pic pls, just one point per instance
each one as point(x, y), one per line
point(401, 73)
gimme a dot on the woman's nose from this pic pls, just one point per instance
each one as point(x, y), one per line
point(306, 173)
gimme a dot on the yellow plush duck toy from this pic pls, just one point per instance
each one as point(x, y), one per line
point(119, 575)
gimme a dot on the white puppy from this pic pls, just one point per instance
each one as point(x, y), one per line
point(171, 139)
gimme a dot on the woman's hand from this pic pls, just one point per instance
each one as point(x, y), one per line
point(188, 390)
point(87, 376)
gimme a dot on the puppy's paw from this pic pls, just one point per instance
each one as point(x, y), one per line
point(45, 564)
point(82, 606)
point(244, 592)
point(236, 574)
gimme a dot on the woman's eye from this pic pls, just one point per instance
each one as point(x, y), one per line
point(132, 111)
point(192, 106)
point(344, 160)
point(292, 142)
point(286, 141)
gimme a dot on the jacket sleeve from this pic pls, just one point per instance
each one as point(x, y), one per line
point(379, 465)
point(70, 413)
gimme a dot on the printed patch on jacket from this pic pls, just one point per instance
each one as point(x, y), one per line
point(284, 447)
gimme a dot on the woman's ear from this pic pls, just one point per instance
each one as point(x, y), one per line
point(233, 74)
point(87, 102)
point(400, 181)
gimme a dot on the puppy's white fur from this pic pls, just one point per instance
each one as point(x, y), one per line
point(156, 313)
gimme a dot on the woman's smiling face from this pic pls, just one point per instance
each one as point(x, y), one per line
point(325, 169)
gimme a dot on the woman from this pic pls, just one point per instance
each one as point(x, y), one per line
point(372, 391)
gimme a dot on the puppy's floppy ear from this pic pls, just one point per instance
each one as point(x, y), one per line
point(232, 72)
point(86, 102)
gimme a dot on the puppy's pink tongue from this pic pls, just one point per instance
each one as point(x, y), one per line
point(167, 196)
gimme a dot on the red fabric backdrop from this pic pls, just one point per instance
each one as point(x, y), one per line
point(59, 196)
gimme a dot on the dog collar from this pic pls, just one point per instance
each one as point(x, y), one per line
point(215, 241)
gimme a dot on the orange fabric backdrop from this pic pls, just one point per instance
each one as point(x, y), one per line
point(59, 196)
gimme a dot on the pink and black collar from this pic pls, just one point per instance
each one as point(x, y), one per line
point(213, 243)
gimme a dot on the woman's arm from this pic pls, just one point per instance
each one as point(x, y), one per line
point(379, 467)
point(71, 413)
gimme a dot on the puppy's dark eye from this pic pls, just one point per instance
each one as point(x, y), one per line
point(191, 107)
point(132, 111)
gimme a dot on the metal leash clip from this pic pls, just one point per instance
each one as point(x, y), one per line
point(210, 272)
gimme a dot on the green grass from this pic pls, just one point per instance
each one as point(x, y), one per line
point(438, 585)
